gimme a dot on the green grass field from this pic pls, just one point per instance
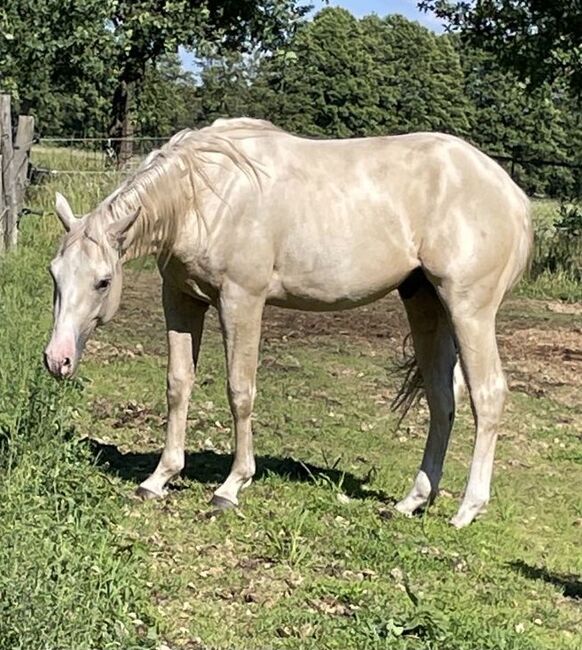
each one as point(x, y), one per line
point(316, 557)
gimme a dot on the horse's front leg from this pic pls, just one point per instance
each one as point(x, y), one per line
point(184, 324)
point(240, 316)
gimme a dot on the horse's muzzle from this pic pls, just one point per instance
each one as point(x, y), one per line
point(59, 366)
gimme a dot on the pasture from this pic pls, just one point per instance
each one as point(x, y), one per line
point(316, 557)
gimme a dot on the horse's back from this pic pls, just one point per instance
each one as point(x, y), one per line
point(357, 215)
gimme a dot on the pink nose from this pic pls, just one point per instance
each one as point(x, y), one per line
point(59, 360)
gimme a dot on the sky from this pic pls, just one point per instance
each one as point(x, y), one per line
point(359, 8)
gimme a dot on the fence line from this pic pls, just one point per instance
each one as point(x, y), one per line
point(95, 155)
point(104, 139)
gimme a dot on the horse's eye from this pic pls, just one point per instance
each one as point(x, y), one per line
point(103, 284)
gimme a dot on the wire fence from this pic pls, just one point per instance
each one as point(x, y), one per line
point(76, 156)
point(89, 156)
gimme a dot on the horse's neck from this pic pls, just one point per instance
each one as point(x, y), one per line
point(144, 240)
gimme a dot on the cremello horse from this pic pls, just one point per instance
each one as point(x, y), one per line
point(241, 214)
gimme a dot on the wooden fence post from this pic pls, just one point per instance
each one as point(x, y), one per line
point(2, 210)
point(7, 152)
point(22, 146)
point(13, 171)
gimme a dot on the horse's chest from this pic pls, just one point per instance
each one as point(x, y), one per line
point(191, 281)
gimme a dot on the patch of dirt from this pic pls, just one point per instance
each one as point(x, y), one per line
point(539, 361)
point(134, 415)
point(573, 309)
point(106, 352)
point(382, 320)
point(540, 341)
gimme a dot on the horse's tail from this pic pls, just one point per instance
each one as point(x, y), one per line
point(412, 386)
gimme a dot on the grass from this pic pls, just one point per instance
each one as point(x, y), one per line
point(70, 577)
point(316, 557)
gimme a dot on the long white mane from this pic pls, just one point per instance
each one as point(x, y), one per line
point(166, 186)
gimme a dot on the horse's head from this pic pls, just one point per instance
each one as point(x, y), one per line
point(87, 275)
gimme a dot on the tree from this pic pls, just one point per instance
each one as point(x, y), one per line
point(344, 77)
point(540, 40)
point(96, 50)
point(230, 87)
point(524, 124)
point(328, 87)
point(144, 30)
point(169, 99)
point(419, 76)
point(53, 60)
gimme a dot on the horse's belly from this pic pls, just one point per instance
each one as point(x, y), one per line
point(330, 283)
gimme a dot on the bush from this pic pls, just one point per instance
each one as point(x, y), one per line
point(558, 244)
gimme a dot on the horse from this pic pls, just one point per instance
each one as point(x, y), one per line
point(240, 214)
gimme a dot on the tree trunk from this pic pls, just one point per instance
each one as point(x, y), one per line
point(121, 124)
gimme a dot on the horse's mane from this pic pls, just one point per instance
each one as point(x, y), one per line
point(166, 186)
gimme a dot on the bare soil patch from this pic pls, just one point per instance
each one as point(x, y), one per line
point(540, 341)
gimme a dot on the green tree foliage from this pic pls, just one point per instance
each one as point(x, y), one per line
point(53, 60)
point(540, 40)
point(329, 87)
point(169, 99)
point(146, 29)
point(71, 57)
point(420, 79)
point(344, 77)
point(230, 86)
point(525, 124)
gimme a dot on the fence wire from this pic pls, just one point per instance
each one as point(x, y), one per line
point(76, 156)
point(90, 156)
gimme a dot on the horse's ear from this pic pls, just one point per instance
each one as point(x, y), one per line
point(64, 212)
point(119, 232)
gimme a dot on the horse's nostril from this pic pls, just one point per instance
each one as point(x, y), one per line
point(66, 362)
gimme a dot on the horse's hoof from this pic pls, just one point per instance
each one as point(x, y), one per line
point(146, 495)
point(221, 503)
point(467, 514)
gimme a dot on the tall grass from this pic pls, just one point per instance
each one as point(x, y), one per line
point(68, 578)
point(556, 270)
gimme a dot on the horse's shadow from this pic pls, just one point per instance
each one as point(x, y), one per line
point(210, 467)
point(570, 584)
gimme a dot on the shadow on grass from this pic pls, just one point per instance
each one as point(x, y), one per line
point(569, 584)
point(211, 467)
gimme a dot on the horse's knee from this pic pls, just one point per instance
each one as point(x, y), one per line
point(179, 386)
point(172, 461)
point(241, 401)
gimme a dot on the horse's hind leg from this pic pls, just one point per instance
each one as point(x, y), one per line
point(436, 357)
point(474, 325)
